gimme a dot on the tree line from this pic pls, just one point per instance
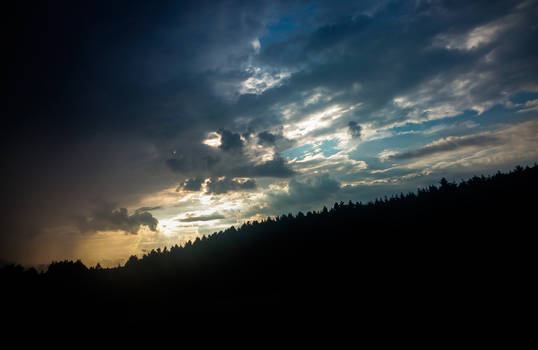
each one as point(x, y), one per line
point(445, 244)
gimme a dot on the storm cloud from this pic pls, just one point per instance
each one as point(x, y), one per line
point(285, 104)
point(277, 168)
point(194, 184)
point(266, 138)
point(220, 186)
point(106, 218)
point(230, 141)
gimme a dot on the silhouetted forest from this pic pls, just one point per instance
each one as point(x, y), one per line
point(440, 250)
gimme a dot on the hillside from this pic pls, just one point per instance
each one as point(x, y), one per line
point(436, 250)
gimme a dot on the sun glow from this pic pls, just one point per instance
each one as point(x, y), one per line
point(213, 140)
point(313, 122)
point(169, 226)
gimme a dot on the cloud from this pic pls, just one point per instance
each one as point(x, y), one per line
point(195, 218)
point(166, 96)
point(480, 35)
point(529, 106)
point(143, 209)
point(220, 186)
point(354, 129)
point(266, 138)
point(307, 193)
point(462, 156)
point(193, 184)
point(447, 144)
point(230, 141)
point(433, 76)
point(277, 168)
point(192, 163)
point(105, 217)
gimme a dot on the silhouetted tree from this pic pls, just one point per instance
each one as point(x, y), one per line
point(405, 248)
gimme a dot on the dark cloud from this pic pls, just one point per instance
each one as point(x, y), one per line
point(230, 164)
point(195, 218)
point(354, 129)
point(113, 100)
point(192, 163)
point(105, 217)
point(216, 186)
point(193, 184)
point(266, 138)
point(276, 167)
point(272, 168)
point(313, 190)
point(143, 209)
point(447, 144)
point(275, 140)
point(106, 92)
point(230, 141)
point(308, 193)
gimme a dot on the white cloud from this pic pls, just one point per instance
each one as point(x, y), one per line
point(261, 80)
point(386, 154)
point(478, 36)
point(256, 45)
point(448, 95)
point(509, 145)
point(529, 106)
point(315, 121)
point(213, 140)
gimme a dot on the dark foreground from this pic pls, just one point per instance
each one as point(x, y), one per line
point(453, 253)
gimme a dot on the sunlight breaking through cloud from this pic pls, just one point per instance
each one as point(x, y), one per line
point(203, 116)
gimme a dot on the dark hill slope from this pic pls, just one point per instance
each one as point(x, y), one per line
point(444, 250)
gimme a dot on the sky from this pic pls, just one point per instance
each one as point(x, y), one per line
point(131, 125)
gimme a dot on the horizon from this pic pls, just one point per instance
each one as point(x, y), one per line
point(44, 267)
point(132, 127)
